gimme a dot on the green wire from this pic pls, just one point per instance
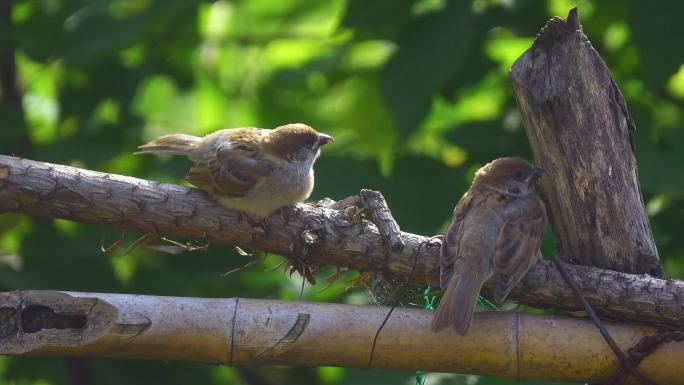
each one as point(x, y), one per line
point(420, 377)
point(429, 305)
point(484, 301)
point(429, 301)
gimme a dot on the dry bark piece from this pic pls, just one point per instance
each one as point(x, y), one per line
point(382, 217)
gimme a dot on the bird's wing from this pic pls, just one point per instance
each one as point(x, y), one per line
point(517, 245)
point(450, 243)
point(232, 169)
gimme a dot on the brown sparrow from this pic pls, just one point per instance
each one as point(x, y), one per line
point(252, 170)
point(496, 229)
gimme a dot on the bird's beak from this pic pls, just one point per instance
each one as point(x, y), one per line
point(536, 173)
point(324, 139)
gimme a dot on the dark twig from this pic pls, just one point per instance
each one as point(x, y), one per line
point(399, 296)
point(599, 324)
point(142, 241)
point(276, 266)
point(646, 346)
point(114, 246)
point(391, 310)
point(388, 227)
point(332, 278)
point(255, 262)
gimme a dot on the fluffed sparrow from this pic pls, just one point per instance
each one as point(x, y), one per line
point(496, 228)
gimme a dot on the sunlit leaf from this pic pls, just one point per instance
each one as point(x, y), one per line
point(676, 83)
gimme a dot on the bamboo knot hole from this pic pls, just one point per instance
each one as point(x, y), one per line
point(37, 317)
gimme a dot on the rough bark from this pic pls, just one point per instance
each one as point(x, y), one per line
point(241, 331)
point(319, 235)
point(581, 132)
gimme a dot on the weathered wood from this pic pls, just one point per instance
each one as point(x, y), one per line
point(382, 218)
point(380, 215)
point(321, 234)
point(581, 132)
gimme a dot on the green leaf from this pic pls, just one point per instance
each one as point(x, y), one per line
point(657, 30)
point(377, 19)
point(436, 49)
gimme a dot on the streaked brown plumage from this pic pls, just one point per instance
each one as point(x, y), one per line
point(496, 229)
point(253, 170)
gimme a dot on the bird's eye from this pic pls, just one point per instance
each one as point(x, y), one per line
point(514, 190)
point(309, 141)
point(518, 175)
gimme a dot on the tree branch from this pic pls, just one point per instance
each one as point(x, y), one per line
point(319, 235)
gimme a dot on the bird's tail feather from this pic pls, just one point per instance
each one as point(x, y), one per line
point(458, 303)
point(176, 144)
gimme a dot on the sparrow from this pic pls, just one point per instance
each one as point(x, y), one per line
point(252, 170)
point(496, 228)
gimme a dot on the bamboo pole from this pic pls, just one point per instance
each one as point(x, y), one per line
point(241, 331)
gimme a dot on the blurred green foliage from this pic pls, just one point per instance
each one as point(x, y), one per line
point(416, 93)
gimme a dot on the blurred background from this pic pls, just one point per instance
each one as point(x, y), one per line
point(415, 92)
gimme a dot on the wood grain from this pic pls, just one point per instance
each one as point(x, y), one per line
point(580, 132)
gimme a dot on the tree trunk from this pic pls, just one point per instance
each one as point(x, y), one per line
point(581, 132)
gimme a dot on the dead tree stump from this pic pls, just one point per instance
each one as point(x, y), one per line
point(581, 132)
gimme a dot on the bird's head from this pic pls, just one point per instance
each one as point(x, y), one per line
point(296, 142)
point(513, 175)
